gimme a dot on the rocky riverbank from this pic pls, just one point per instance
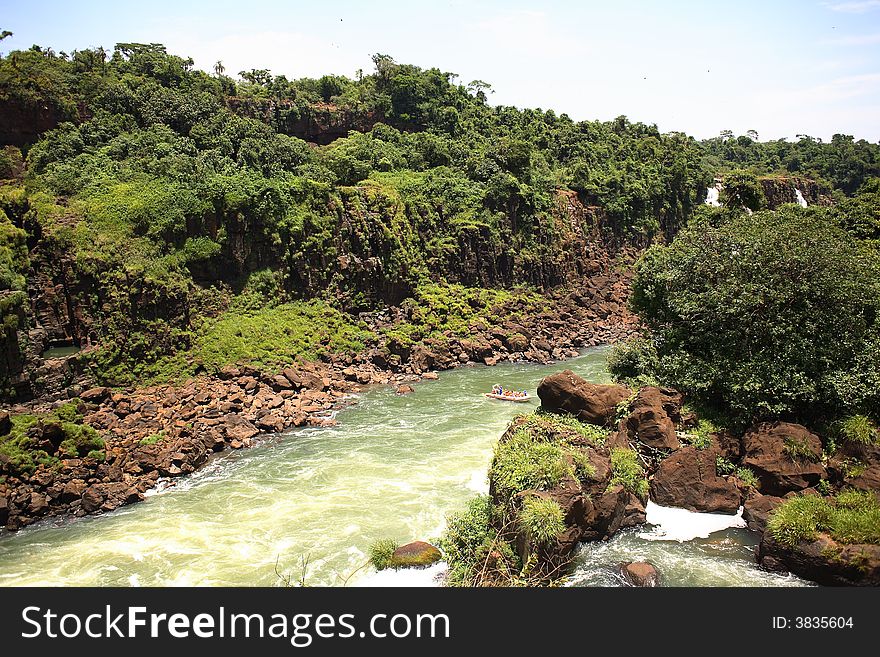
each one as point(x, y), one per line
point(164, 432)
point(646, 443)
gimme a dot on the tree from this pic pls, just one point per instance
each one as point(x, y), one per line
point(768, 315)
point(742, 190)
point(4, 34)
point(219, 69)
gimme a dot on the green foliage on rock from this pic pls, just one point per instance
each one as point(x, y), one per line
point(541, 519)
point(76, 439)
point(849, 517)
point(858, 429)
point(626, 471)
point(381, 551)
point(522, 462)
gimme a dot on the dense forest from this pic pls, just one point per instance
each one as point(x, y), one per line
point(149, 207)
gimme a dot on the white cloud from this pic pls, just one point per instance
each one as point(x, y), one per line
point(854, 7)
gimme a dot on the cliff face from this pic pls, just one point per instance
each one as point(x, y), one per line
point(364, 247)
point(22, 123)
point(779, 190)
point(319, 123)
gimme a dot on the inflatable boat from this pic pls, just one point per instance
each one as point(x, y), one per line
point(492, 395)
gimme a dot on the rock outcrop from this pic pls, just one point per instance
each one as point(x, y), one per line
point(784, 456)
point(823, 560)
point(566, 392)
point(687, 479)
point(653, 416)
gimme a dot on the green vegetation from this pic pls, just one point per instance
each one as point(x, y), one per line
point(152, 439)
point(380, 553)
point(724, 466)
point(798, 449)
point(626, 471)
point(701, 435)
point(473, 548)
point(858, 429)
point(567, 428)
point(541, 519)
point(734, 327)
point(64, 424)
point(849, 517)
point(747, 476)
point(522, 462)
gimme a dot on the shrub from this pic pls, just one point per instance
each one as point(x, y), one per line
point(701, 435)
point(724, 466)
point(152, 439)
point(798, 449)
point(628, 472)
point(542, 520)
point(468, 544)
point(521, 462)
point(583, 467)
point(380, 552)
point(747, 476)
point(858, 429)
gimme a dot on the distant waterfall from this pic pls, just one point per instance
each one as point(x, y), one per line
point(801, 201)
point(712, 194)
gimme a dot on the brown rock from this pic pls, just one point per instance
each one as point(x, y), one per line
point(5, 425)
point(95, 395)
point(404, 389)
point(757, 509)
point(281, 382)
point(92, 499)
point(73, 490)
point(779, 472)
point(652, 417)
point(823, 560)
point(687, 479)
point(417, 553)
point(566, 392)
point(640, 573)
point(238, 428)
point(4, 510)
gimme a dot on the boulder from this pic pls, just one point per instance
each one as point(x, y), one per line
point(779, 468)
point(5, 423)
point(417, 553)
point(404, 389)
point(687, 479)
point(92, 499)
point(238, 428)
point(73, 490)
point(566, 392)
point(639, 573)
point(653, 415)
point(633, 513)
point(867, 480)
point(4, 511)
point(95, 395)
point(823, 560)
point(757, 509)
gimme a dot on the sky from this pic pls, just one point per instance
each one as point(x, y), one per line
point(779, 67)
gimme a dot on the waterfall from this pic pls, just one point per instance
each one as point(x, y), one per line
point(712, 194)
point(801, 201)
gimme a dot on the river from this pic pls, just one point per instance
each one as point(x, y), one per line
point(392, 468)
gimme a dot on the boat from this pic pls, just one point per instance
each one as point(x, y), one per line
point(493, 395)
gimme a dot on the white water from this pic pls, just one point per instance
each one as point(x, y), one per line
point(801, 201)
point(393, 468)
point(712, 196)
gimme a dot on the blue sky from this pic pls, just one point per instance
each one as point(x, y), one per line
point(779, 67)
